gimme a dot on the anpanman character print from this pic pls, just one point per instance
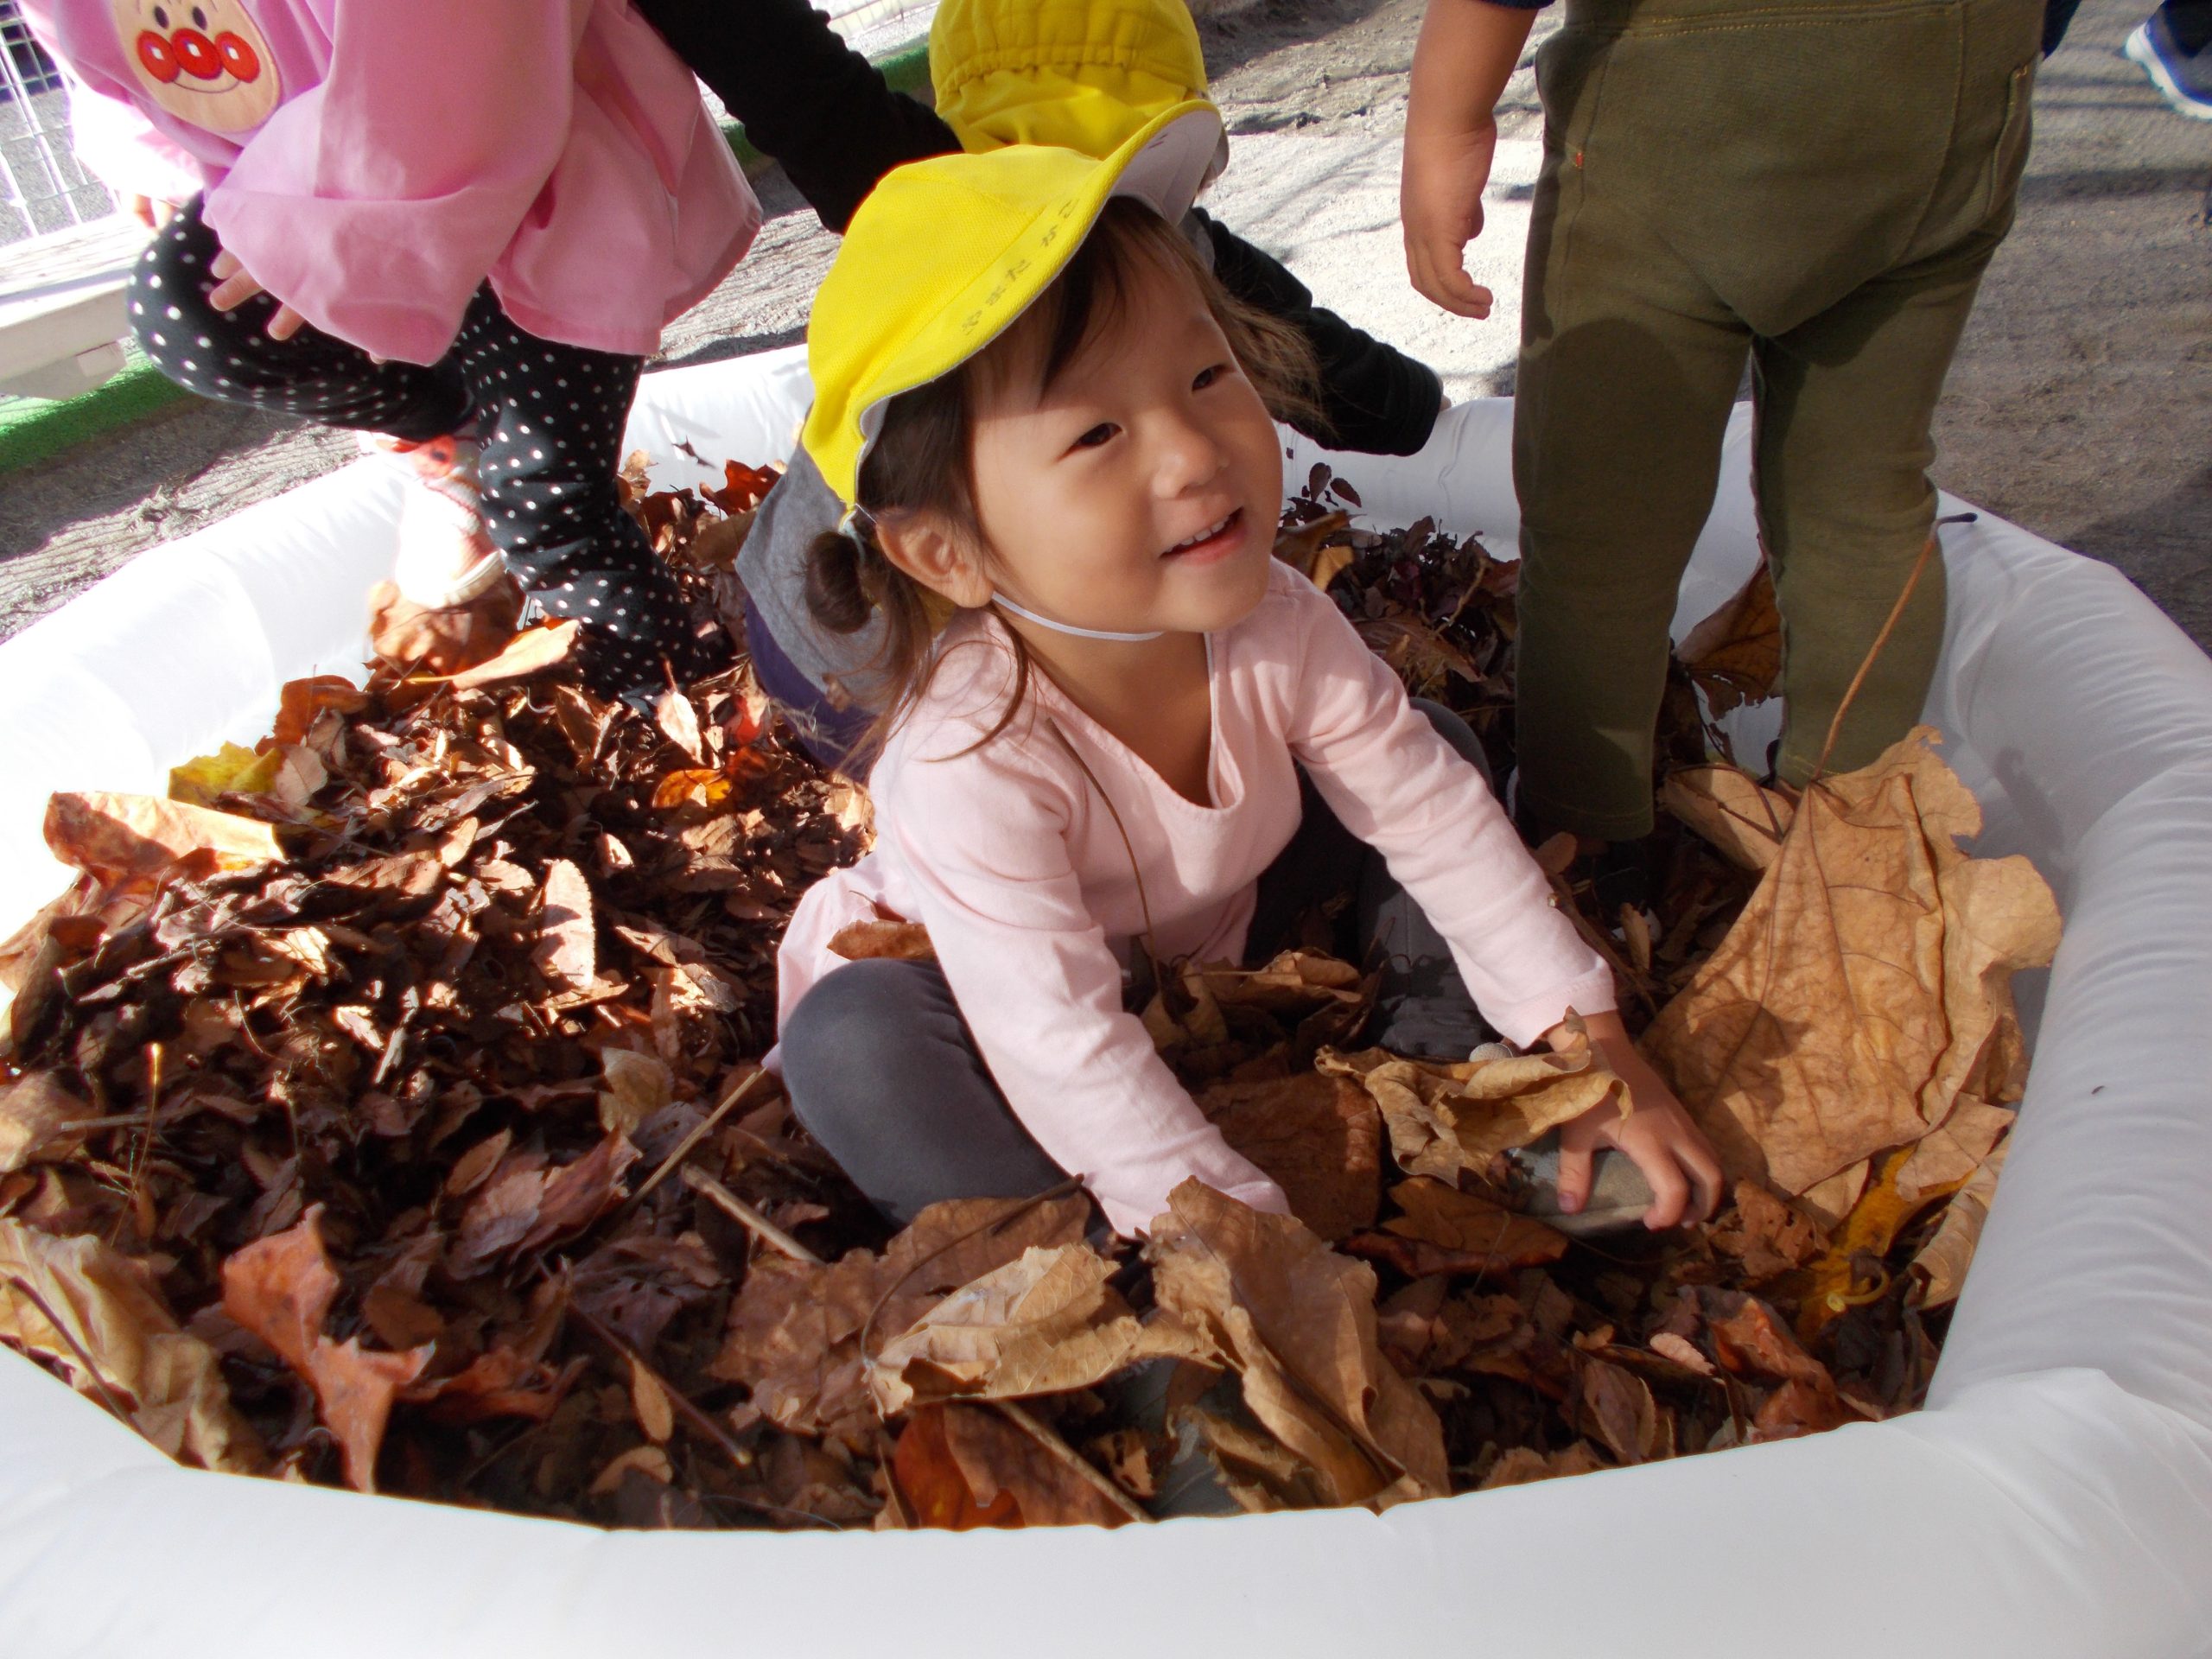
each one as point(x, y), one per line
point(202, 60)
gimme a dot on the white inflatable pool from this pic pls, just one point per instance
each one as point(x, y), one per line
point(2055, 1498)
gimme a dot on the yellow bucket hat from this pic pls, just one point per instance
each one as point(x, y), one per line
point(946, 253)
point(1084, 74)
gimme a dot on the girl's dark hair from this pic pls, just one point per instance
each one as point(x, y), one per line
point(921, 458)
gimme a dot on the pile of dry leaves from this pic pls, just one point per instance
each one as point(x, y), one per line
point(384, 1107)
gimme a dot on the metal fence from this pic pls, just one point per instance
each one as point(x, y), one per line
point(42, 187)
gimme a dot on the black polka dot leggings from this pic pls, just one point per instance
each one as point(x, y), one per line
point(550, 417)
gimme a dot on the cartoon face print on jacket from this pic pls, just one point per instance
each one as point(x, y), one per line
point(202, 60)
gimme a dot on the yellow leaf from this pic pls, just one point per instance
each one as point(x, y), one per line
point(230, 771)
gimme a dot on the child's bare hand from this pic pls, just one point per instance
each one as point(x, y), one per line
point(235, 285)
point(1657, 1136)
point(151, 211)
point(1441, 204)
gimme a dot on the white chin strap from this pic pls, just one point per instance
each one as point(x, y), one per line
point(1006, 604)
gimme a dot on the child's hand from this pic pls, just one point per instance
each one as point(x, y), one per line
point(1657, 1136)
point(151, 211)
point(1468, 52)
point(1440, 208)
point(235, 284)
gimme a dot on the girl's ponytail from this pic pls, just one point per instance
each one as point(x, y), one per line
point(837, 593)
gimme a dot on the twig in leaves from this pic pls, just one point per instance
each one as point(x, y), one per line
point(700, 1424)
point(747, 1216)
point(1062, 1453)
point(1865, 666)
point(689, 1143)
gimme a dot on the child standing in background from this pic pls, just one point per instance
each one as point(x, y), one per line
point(1044, 416)
point(1812, 186)
point(458, 229)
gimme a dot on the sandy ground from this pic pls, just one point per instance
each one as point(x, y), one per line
point(2080, 405)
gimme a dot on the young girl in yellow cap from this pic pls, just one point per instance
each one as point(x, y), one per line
point(1047, 418)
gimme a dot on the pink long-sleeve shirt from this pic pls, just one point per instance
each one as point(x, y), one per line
point(1011, 859)
point(374, 162)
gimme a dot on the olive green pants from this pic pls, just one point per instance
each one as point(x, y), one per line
point(1816, 185)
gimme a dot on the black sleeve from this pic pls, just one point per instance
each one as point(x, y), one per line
point(1374, 397)
point(803, 96)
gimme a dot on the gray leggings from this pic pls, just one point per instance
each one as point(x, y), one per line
point(882, 1071)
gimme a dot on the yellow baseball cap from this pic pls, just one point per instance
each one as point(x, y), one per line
point(946, 253)
point(1081, 73)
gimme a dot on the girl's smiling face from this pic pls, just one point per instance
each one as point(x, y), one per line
point(1137, 488)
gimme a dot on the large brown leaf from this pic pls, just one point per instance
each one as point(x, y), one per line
point(1443, 1119)
point(1318, 1138)
point(1048, 1322)
point(795, 1329)
point(1297, 1321)
point(1866, 985)
point(131, 840)
point(281, 1289)
point(169, 1382)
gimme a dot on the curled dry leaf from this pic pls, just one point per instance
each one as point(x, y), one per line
point(133, 840)
point(1867, 984)
point(1520, 1466)
point(632, 1087)
point(888, 938)
point(1943, 1261)
point(168, 1382)
point(1445, 1231)
point(1734, 656)
point(1318, 1138)
point(679, 722)
point(526, 1206)
point(568, 936)
point(1727, 806)
point(794, 1332)
point(1297, 1322)
point(1048, 1322)
point(1766, 1234)
point(999, 1460)
point(531, 651)
point(1617, 1408)
point(281, 1289)
point(35, 1110)
point(1443, 1119)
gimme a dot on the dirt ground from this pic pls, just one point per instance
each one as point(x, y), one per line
point(2079, 405)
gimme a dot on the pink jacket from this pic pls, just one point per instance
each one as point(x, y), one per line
point(372, 161)
point(1009, 857)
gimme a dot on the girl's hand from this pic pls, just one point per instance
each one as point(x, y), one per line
point(235, 284)
point(1657, 1136)
point(151, 211)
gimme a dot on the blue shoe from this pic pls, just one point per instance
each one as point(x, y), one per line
point(2185, 81)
